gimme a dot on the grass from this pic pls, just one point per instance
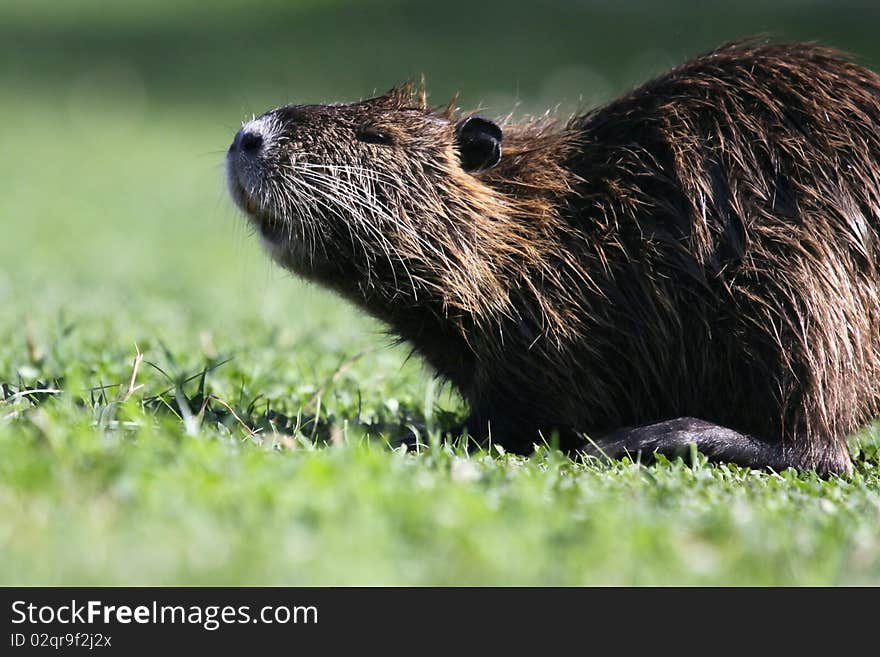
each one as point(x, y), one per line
point(208, 420)
point(121, 491)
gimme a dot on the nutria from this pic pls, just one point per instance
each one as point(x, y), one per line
point(695, 263)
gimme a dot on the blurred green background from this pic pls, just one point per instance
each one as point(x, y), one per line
point(115, 114)
point(115, 229)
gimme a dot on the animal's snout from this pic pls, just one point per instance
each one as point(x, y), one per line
point(248, 141)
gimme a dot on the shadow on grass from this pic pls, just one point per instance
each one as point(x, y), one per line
point(188, 399)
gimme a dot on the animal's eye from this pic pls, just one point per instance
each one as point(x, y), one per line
point(374, 136)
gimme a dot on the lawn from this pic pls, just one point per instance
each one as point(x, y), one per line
point(175, 410)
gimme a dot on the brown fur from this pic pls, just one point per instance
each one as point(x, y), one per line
point(704, 247)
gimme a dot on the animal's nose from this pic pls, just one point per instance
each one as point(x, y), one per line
point(247, 141)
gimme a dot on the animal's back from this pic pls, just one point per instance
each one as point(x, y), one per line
point(729, 214)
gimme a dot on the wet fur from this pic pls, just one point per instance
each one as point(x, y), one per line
point(694, 262)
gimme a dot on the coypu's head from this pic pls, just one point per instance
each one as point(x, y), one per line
point(387, 199)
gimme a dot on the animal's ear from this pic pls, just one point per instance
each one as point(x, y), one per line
point(479, 143)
